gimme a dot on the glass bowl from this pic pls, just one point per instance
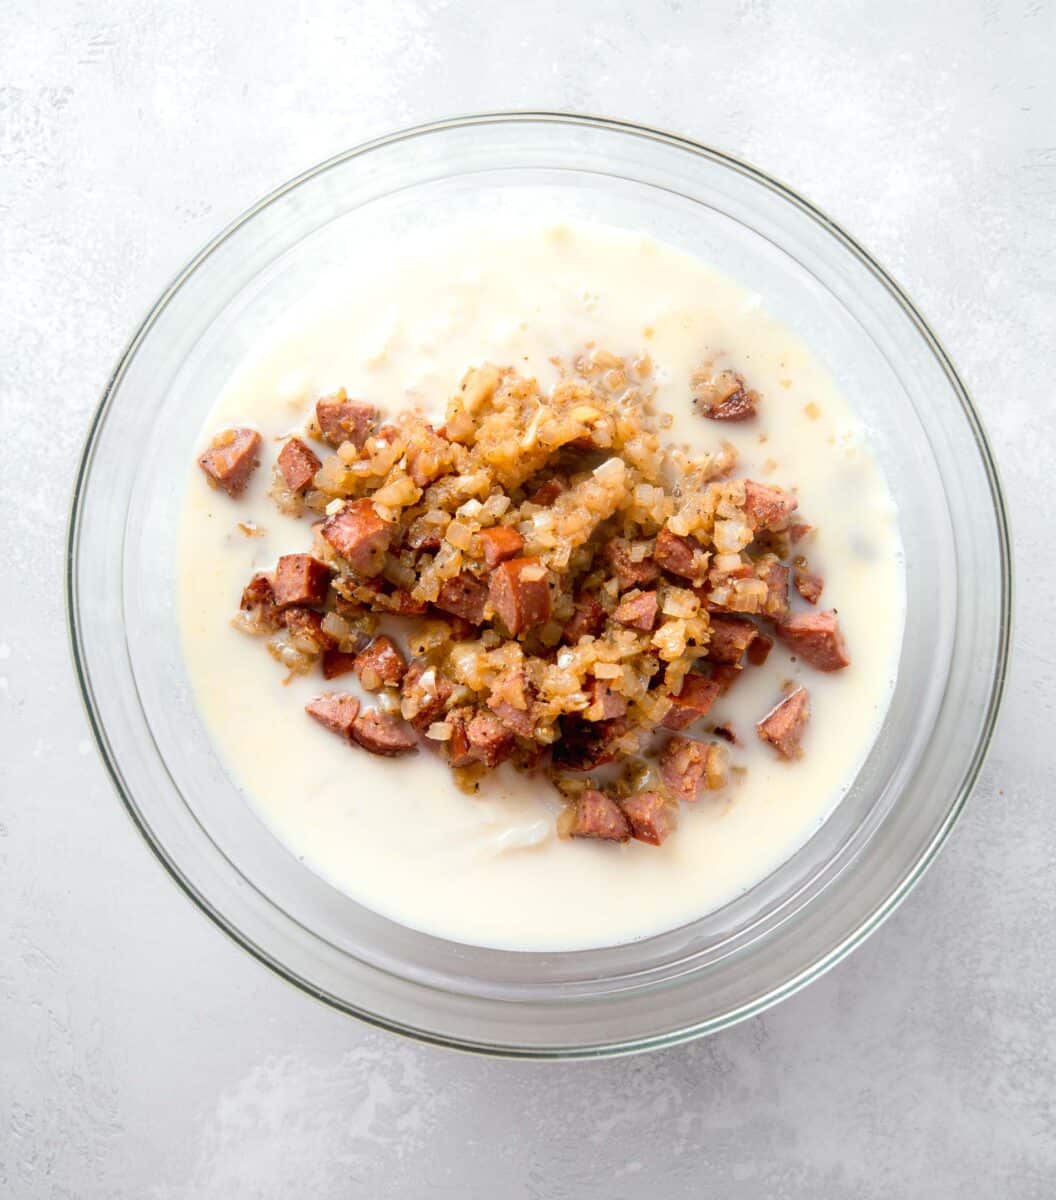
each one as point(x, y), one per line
point(689, 981)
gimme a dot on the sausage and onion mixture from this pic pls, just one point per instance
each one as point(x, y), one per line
point(539, 582)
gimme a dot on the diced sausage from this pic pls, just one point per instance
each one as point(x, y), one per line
point(337, 663)
point(680, 556)
point(687, 766)
point(730, 637)
point(548, 491)
point(639, 612)
point(598, 816)
point(300, 579)
point(335, 711)
point(500, 542)
point(519, 720)
point(808, 584)
point(298, 464)
point(425, 695)
point(519, 593)
point(382, 733)
point(459, 751)
point(724, 397)
point(464, 596)
point(783, 725)
point(587, 620)
point(629, 573)
point(343, 420)
point(380, 665)
point(490, 742)
point(692, 702)
point(768, 507)
point(360, 536)
point(759, 648)
point(775, 575)
point(306, 630)
point(815, 637)
point(605, 704)
point(233, 455)
point(652, 816)
point(584, 745)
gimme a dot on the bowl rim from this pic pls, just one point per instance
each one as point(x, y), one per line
point(927, 853)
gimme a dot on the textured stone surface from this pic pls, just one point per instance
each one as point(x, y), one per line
point(142, 1055)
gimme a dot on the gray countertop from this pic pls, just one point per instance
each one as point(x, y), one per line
point(141, 1053)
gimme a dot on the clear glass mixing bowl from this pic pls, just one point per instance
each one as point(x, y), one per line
point(692, 980)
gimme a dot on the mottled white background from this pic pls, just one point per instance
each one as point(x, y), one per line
point(141, 1054)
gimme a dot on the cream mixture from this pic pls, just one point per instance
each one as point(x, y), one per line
point(398, 835)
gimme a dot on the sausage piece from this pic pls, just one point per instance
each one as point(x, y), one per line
point(300, 579)
point(335, 711)
point(360, 536)
point(652, 816)
point(337, 663)
point(639, 612)
point(680, 556)
point(730, 637)
point(724, 397)
point(233, 455)
point(598, 816)
point(380, 665)
point(815, 637)
point(783, 725)
point(298, 464)
point(687, 766)
point(605, 704)
point(587, 620)
point(768, 507)
point(381, 733)
point(500, 542)
point(692, 702)
point(463, 596)
point(520, 594)
point(343, 420)
point(490, 742)
point(630, 573)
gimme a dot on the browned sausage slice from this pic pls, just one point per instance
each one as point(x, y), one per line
point(500, 542)
point(815, 637)
point(598, 816)
point(380, 665)
point(768, 507)
point(692, 702)
point(300, 579)
point(730, 637)
point(233, 455)
point(343, 420)
point(639, 612)
point(463, 596)
point(298, 464)
point(651, 815)
point(784, 724)
point(335, 711)
point(360, 536)
point(520, 594)
point(381, 733)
